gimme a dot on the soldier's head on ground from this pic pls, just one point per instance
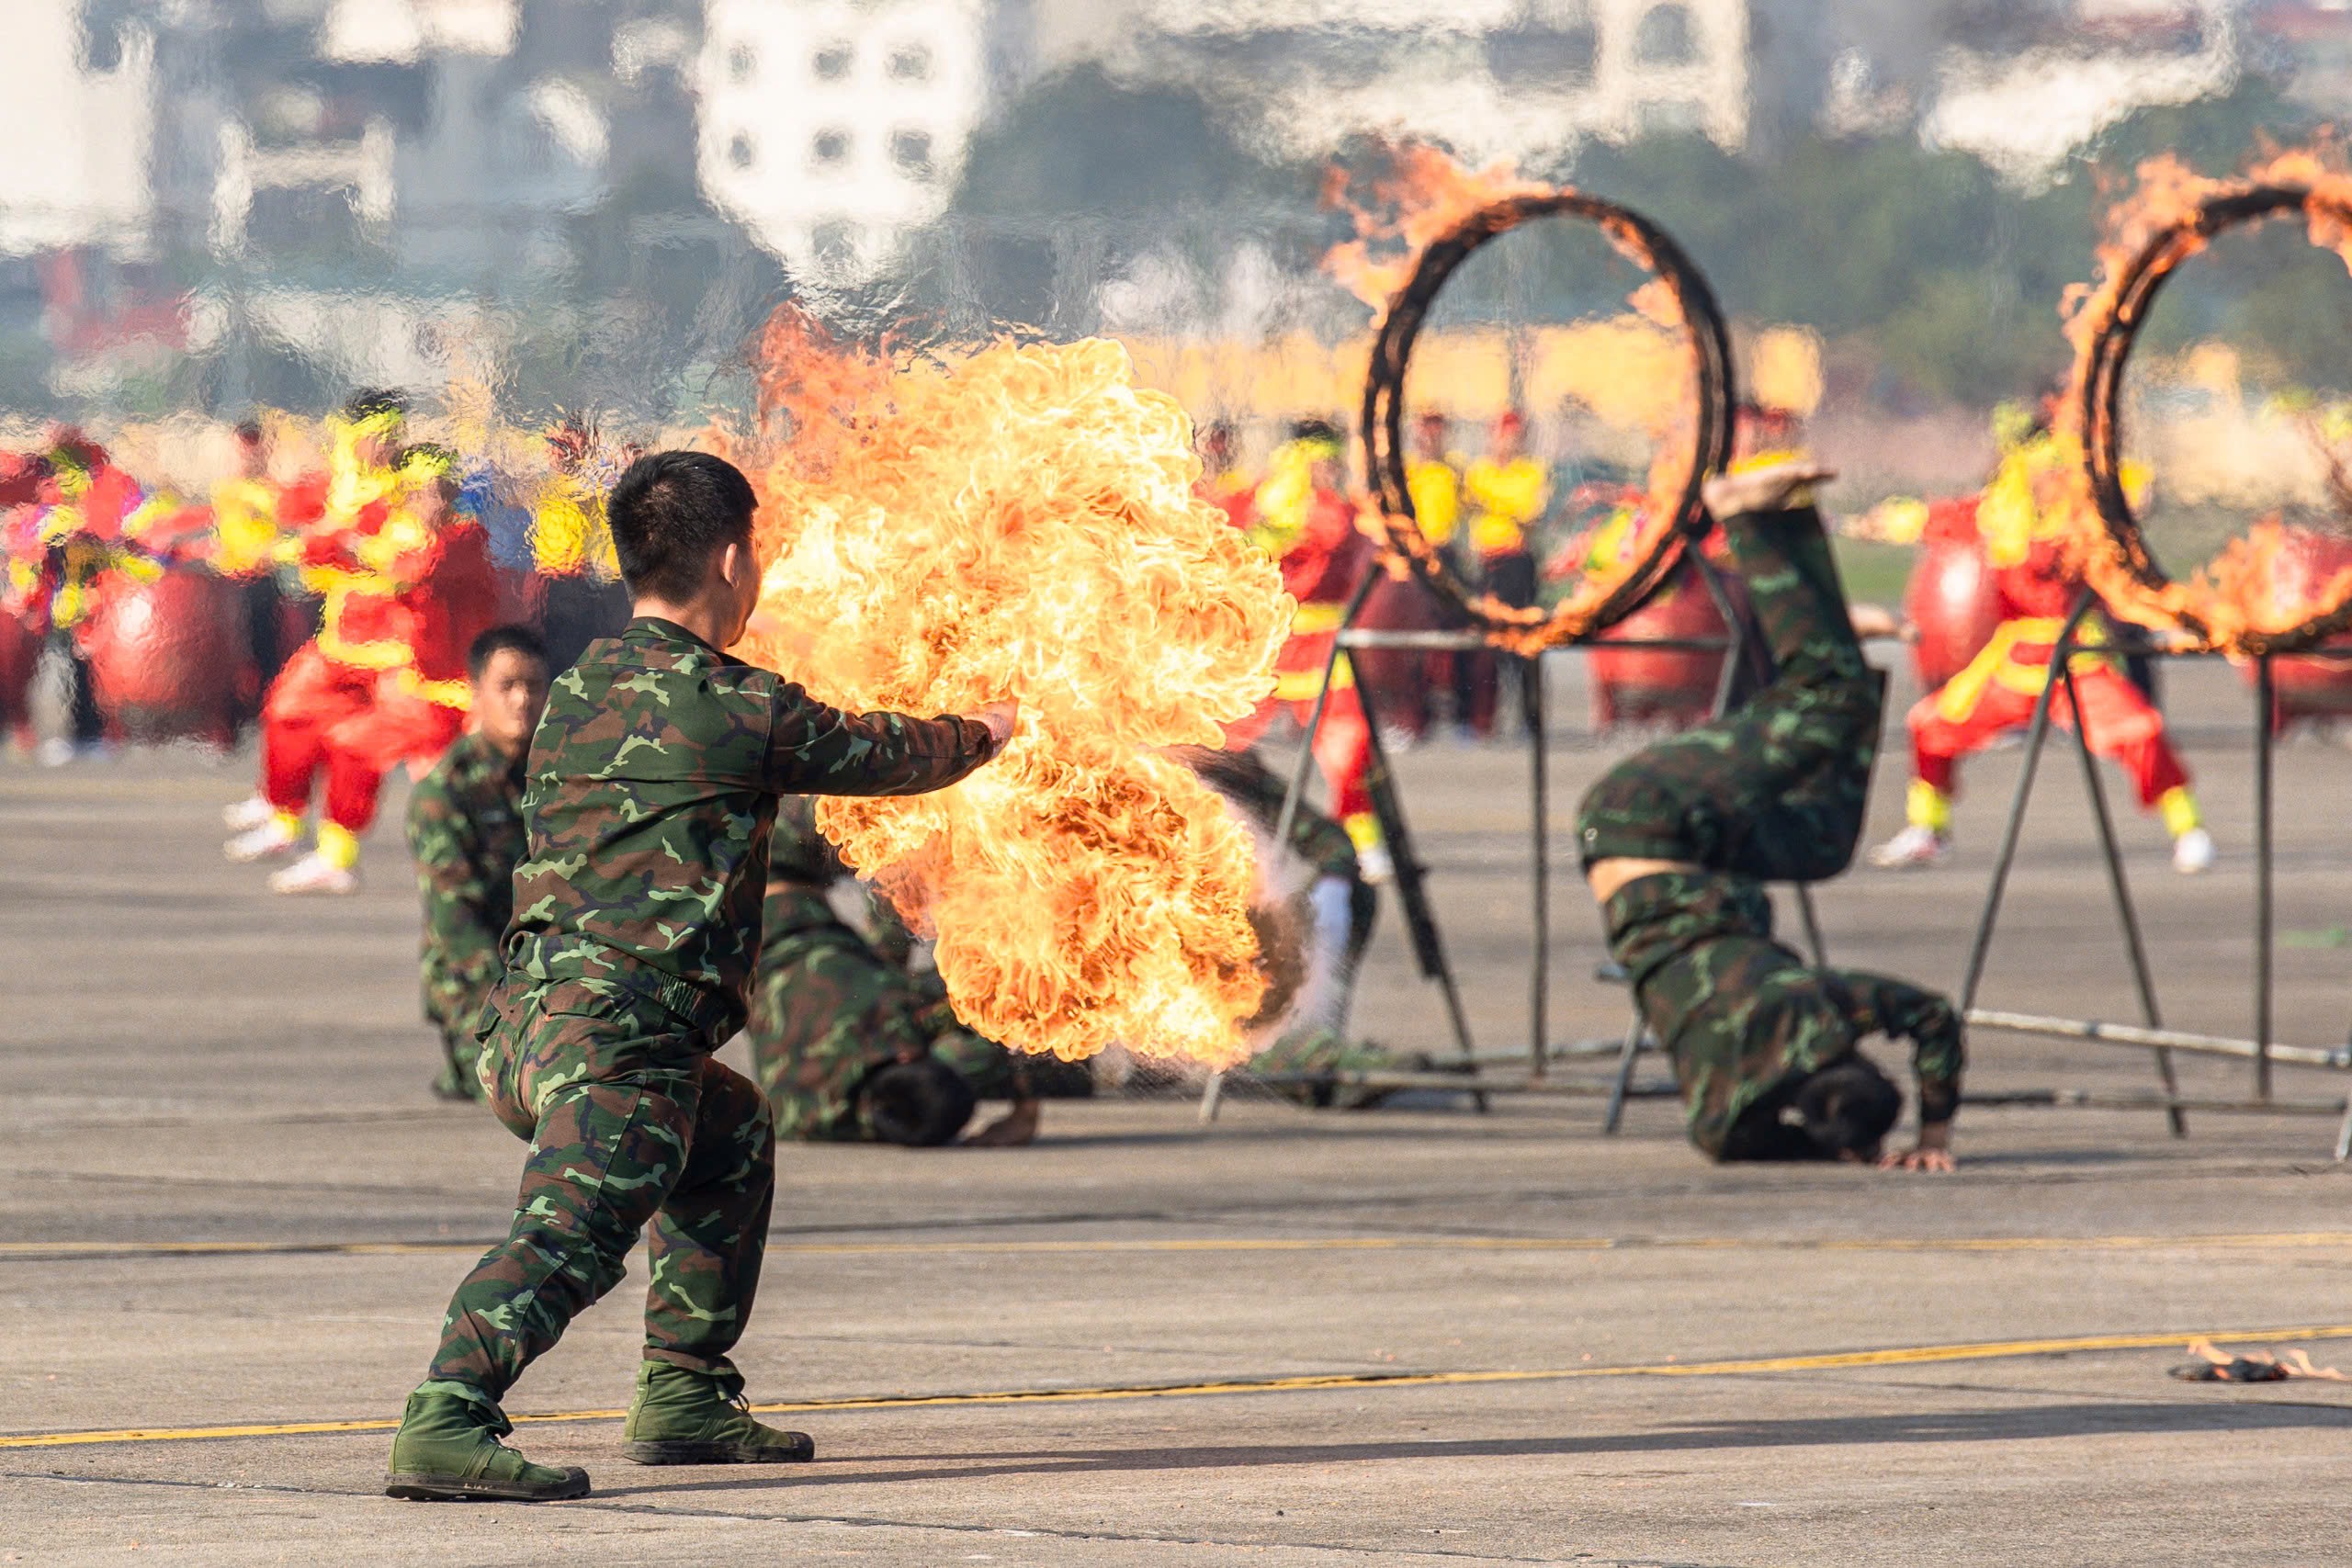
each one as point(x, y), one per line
point(507, 667)
point(1842, 1112)
point(922, 1103)
point(682, 527)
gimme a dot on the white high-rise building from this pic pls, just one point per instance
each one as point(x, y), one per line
point(77, 129)
point(1490, 78)
point(832, 128)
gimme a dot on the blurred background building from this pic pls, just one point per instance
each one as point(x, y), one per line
point(216, 203)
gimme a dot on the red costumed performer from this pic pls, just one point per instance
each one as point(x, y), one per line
point(1306, 521)
point(2037, 583)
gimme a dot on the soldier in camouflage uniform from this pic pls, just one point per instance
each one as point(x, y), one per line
point(1679, 839)
point(653, 784)
point(835, 1018)
point(1340, 907)
point(465, 833)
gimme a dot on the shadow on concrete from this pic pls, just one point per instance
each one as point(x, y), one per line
point(2078, 1420)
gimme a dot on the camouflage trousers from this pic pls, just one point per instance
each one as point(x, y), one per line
point(1775, 790)
point(632, 1128)
point(828, 1011)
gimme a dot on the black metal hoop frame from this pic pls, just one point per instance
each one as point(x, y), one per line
point(2099, 388)
point(1383, 414)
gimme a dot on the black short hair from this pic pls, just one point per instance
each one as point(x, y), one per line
point(249, 432)
point(671, 512)
point(502, 640)
point(375, 401)
point(1848, 1107)
point(922, 1103)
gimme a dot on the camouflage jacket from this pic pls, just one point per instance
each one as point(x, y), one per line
point(652, 799)
point(1742, 1015)
point(465, 833)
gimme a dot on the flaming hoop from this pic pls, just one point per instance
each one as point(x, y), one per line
point(1603, 597)
point(2177, 216)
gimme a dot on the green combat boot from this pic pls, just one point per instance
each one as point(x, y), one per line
point(688, 1418)
point(447, 1451)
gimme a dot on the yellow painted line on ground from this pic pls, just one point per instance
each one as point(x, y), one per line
point(1900, 1356)
point(2247, 1241)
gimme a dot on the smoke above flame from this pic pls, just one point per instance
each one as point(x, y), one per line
point(1020, 521)
point(2233, 602)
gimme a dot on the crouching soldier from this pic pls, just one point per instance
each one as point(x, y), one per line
point(465, 833)
point(848, 1042)
point(1313, 913)
point(653, 781)
point(1679, 839)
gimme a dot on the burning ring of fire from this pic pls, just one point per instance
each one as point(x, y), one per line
point(2126, 574)
point(1602, 597)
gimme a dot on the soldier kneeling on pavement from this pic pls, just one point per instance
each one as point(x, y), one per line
point(850, 1041)
point(465, 833)
point(1314, 914)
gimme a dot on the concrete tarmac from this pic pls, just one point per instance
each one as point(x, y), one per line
point(1413, 1336)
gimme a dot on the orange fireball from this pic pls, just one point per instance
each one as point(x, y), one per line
point(1020, 521)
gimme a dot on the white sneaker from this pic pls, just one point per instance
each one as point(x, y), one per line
point(2192, 852)
point(1374, 865)
point(273, 838)
point(55, 752)
point(1915, 846)
point(247, 814)
point(312, 874)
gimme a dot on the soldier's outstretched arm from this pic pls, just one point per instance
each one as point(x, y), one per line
point(816, 749)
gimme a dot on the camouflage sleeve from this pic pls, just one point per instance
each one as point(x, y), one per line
point(460, 948)
point(814, 749)
point(799, 853)
point(1927, 1019)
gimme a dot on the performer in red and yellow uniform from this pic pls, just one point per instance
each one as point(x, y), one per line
point(1504, 493)
point(76, 529)
point(1307, 523)
point(447, 595)
point(1404, 680)
point(245, 532)
point(345, 556)
point(2019, 518)
point(1224, 483)
point(582, 598)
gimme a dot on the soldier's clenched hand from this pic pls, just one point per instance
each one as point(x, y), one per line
point(999, 717)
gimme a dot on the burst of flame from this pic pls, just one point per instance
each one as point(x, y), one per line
point(1421, 197)
point(1020, 521)
point(1423, 194)
point(2234, 599)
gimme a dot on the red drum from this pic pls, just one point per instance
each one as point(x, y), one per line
point(167, 657)
point(2302, 567)
point(1399, 679)
point(20, 655)
point(1951, 598)
point(1657, 685)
